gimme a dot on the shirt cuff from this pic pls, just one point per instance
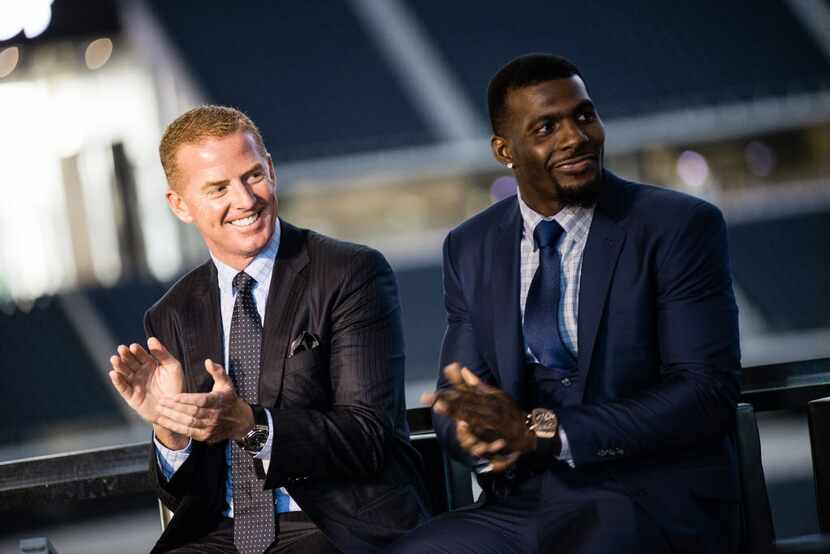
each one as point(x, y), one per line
point(265, 453)
point(481, 465)
point(565, 453)
point(170, 461)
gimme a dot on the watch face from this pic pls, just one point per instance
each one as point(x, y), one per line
point(544, 423)
point(255, 440)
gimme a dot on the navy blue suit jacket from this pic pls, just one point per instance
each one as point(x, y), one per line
point(658, 338)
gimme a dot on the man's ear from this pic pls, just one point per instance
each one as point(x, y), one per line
point(501, 151)
point(178, 206)
point(272, 173)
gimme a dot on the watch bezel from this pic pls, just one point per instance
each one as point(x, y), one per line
point(255, 439)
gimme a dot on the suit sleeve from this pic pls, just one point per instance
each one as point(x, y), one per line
point(697, 329)
point(459, 345)
point(366, 364)
point(173, 490)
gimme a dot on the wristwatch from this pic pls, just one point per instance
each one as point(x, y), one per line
point(255, 439)
point(545, 426)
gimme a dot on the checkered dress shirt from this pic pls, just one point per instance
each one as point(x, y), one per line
point(576, 222)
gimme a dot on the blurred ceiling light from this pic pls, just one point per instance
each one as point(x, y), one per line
point(8, 60)
point(98, 53)
point(30, 16)
point(759, 158)
point(692, 169)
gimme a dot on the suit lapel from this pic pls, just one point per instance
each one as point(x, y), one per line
point(288, 283)
point(202, 324)
point(506, 318)
point(599, 261)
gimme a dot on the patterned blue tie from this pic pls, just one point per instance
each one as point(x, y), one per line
point(541, 324)
point(253, 508)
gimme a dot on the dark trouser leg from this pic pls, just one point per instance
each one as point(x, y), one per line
point(599, 521)
point(502, 526)
point(468, 532)
point(218, 541)
point(546, 514)
point(300, 536)
point(297, 535)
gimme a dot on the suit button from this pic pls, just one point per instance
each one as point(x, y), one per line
point(566, 382)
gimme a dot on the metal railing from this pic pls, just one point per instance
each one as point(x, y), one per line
point(123, 470)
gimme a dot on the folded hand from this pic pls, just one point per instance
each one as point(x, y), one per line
point(489, 424)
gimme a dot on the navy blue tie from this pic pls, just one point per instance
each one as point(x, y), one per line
point(541, 324)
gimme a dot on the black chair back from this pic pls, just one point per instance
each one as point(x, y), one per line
point(758, 533)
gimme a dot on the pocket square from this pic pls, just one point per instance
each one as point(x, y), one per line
point(306, 341)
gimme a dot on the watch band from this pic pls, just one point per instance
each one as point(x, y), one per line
point(255, 439)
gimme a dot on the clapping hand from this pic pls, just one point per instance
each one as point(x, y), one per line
point(489, 424)
point(143, 377)
point(209, 417)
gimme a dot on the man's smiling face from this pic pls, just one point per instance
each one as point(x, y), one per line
point(226, 187)
point(554, 138)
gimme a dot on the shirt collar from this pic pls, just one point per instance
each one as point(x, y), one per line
point(260, 267)
point(575, 220)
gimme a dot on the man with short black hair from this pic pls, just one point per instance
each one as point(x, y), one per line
point(591, 357)
point(302, 446)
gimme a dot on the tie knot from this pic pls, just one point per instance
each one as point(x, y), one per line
point(243, 281)
point(547, 233)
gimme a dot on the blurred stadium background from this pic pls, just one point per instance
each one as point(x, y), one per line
point(374, 112)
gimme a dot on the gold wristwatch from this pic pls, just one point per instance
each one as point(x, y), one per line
point(544, 424)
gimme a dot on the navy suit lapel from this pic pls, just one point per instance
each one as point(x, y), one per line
point(202, 325)
point(507, 332)
point(288, 283)
point(599, 261)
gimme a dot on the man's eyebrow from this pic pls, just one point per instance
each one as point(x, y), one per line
point(254, 168)
point(559, 114)
point(214, 184)
point(584, 104)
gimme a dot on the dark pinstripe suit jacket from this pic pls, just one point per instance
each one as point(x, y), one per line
point(341, 444)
